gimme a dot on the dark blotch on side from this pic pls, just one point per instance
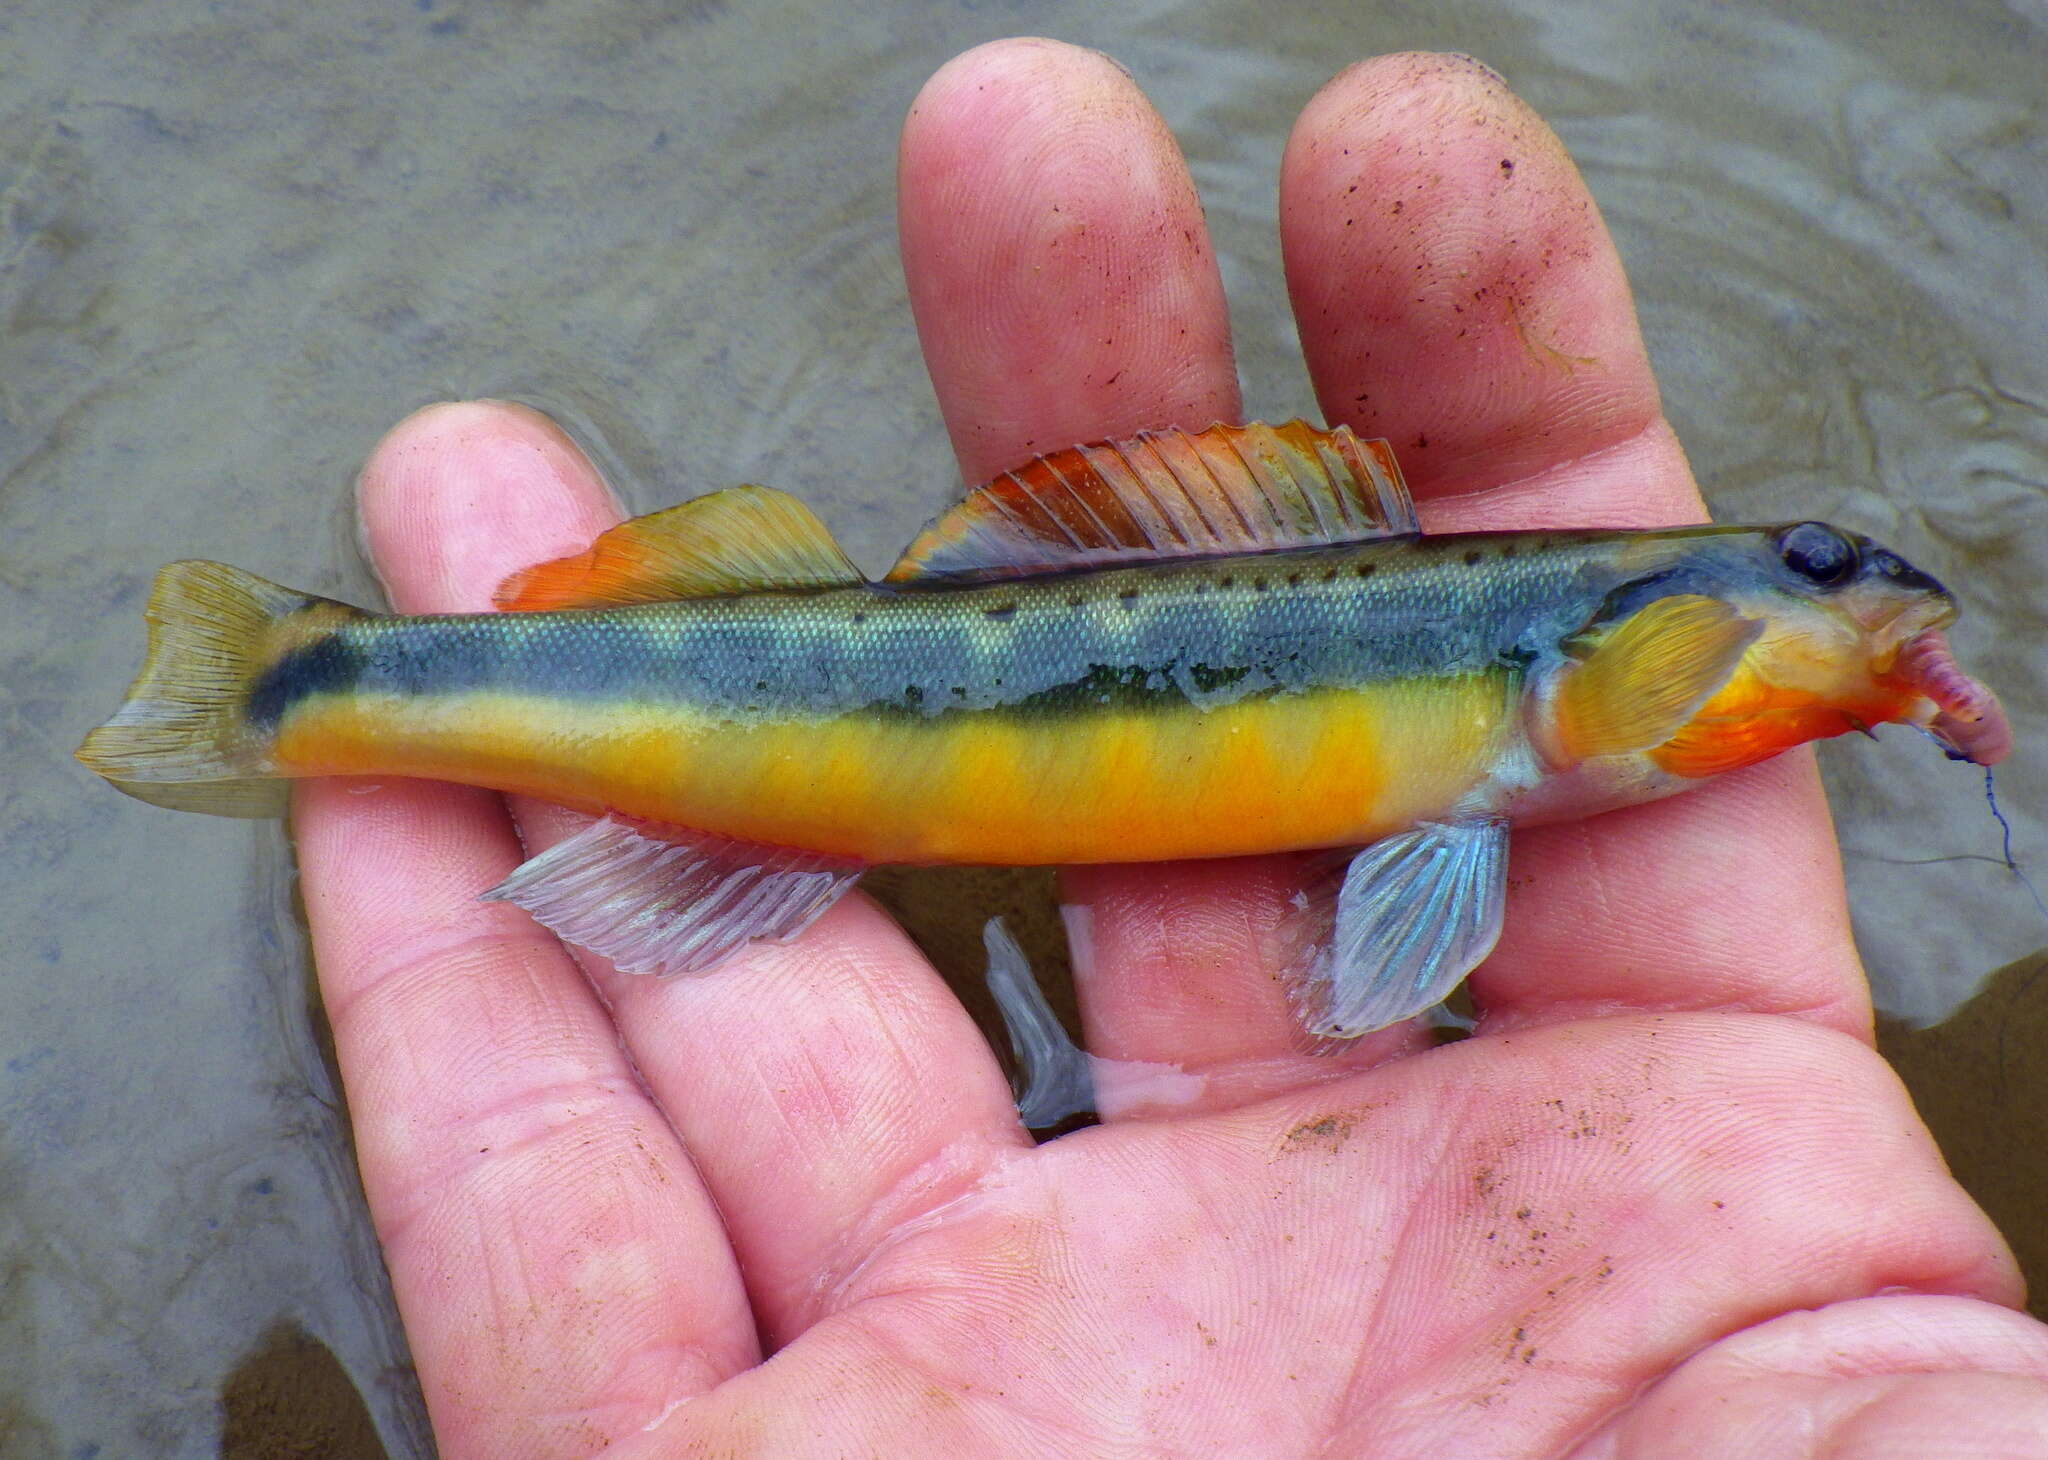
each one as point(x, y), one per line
point(323, 666)
point(1208, 681)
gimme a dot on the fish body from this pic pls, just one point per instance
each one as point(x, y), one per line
point(1190, 708)
point(1186, 646)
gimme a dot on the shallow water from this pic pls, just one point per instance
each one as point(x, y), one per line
point(237, 242)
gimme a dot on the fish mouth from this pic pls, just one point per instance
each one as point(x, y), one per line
point(1968, 720)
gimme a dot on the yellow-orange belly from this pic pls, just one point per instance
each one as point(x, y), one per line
point(1325, 768)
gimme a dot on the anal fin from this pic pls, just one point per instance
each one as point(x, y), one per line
point(1410, 916)
point(666, 899)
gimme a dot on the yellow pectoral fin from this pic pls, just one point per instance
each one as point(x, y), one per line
point(1650, 674)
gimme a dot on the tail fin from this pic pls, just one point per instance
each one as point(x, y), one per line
point(183, 738)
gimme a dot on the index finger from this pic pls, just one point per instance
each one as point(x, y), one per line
point(534, 1206)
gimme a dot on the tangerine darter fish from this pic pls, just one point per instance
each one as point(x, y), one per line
point(1181, 645)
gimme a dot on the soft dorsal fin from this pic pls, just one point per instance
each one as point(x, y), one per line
point(1169, 494)
point(740, 540)
point(1650, 675)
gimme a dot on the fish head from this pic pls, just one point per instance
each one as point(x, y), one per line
point(1848, 635)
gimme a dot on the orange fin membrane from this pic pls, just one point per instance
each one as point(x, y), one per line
point(1168, 494)
point(1057, 1080)
point(1391, 938)
point(665, 899)
point(1650, 674)
point(741, 540)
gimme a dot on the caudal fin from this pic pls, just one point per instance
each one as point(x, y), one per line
point(183, 738)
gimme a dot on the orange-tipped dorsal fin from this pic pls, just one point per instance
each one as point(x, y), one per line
point(1648, 675)
point(1169, 494)
point(742, 540)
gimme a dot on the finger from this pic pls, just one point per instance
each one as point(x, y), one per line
point(1059, 269)
point(1458, 293)
point(1065, 290)
point(533, 1205)
point(1189, 959)
point(1456, 290)
point(832, 1090)
point(1896, 1375)
point(815, 1084)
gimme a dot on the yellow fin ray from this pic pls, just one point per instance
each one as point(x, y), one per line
point(741, 540)
point(1650, 674)
point(183, 738)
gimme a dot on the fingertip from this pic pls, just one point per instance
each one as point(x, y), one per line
point(1058, 265)
point(1011, 67)
point(462, 493)
point(996, 126)
point(1384, 129)
point(1430, 87)
point(1456, 287)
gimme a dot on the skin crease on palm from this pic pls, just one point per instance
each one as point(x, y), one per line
point(1666, 1201)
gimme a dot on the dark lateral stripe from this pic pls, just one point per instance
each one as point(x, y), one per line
point(1206, 632)
point(1027, 654)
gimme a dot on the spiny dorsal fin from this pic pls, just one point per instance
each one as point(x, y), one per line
point(740, 540)
point(1650, 674)
point(1169, 494)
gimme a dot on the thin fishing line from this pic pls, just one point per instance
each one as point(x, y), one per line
point(2004, 826)
point(2014, 867)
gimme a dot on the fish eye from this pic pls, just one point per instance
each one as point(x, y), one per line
point(1818, 553)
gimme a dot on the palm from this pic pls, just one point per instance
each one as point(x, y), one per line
point(1490, 1244)
point(1668, 1128)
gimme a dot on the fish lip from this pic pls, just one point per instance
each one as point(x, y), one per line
point(1968, 719)
point(1908, 621)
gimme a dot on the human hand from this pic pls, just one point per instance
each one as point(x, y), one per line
point(1591, 1230)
